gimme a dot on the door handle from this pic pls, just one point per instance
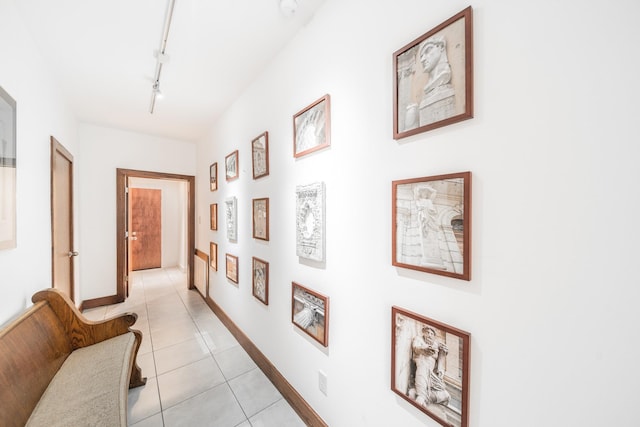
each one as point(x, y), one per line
point(73, 253)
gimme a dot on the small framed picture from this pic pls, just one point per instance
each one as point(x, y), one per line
point(261, 280)
point(213, 215)
point(310, 221)
point(312, 127)
point(431, 224)
point(231, 166)
point(261, 219)
point(213, 256)
point(213, 176)
point(430, 366)
point(310, 312)
point(231, 214)
point(8, 170)
point(232, 267)
point(260, 155)
point(433, 78)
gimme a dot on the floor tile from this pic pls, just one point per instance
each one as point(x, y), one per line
point(214, 408)
point(182, 354)
point(234, 361)
point(280, 414)
point(254, 391)
point(152, 421)
point(143, 402)
point(188, 381)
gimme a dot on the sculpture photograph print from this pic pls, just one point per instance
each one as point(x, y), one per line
point(310, 221)
point(310, 312)
point(431, 224)
point(232, 267)
point(260, 155)
point(231, 214)
point(261, 280)
point(261, 219)
point(7, 171)
point(430, 366)
point(213, 215)
point(213, 256)
point(231, 166)
point(312, 127)
point(213, 177)
point(433, 78)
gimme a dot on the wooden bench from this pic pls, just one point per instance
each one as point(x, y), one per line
point(59, 369)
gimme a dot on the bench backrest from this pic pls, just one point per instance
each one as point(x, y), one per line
point(32, 349)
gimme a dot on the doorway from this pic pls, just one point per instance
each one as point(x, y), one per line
point(124, 231)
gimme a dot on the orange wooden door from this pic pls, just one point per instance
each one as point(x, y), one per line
point(145, 229)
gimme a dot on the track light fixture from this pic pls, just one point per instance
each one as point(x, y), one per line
point(161, 56)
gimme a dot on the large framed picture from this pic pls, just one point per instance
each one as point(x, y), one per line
point(312, 127)
point(430, 366)
point(7, 171)
point(431, 224)
point(213, 177)
point(231, 166)
point(261, 280)
point(433, 78)
point(310, 312)
point(261, 218)
point(213, 256)
point(232, 267)
point(213, 216)
point(310, 213)
point(260, 155)
point(231, 214)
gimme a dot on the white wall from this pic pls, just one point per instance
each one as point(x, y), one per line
point(104, 150)
point(41, 113)
point(552, 304)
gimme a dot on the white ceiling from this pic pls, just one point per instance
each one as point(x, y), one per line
point(101, 53)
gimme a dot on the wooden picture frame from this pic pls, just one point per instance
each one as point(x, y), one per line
point(213, 216)
point(261, 218)
point(431, 224)
point(433, 78)
point(8, 170)
point(260, 274)
point(213, 256)
point(213, 177)
point(430, 366)
point(310, 221)
point(231, 166)
point(231, 267)
point(260, 155)
point(310, 313)
point(312, 127)
point(231, 214)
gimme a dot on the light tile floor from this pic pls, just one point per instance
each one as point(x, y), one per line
point(197, 373)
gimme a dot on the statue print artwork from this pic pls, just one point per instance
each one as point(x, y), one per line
point(260, 155)
point(310, 312)
point(433, 85)
point(231, 215)
point(232, 267)
point(213, 177)
point(312, 127)
point(231, 166)
point(261, 280)
point(310, 221)
point(261, 218)
point(430, 365)
point(432, 224)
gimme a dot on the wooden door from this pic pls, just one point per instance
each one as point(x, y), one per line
point(145, 229)
point(62, 253)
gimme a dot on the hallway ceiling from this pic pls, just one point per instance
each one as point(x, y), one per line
point(101, 54)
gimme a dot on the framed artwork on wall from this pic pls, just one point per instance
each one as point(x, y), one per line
point(312, 127)
point(8, 170)
point(232, 267)
point(261, 280)
point(213, 215)
point(430, 366)
point(261, 219)
point(213, 177)
point(431, 224)
point(232, 170)
point(260, 155)
point(310, 228)
point(310, 312)
point(231, 214)
point(433, 78)
point(213, 256)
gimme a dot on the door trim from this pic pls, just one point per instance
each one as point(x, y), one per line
point(122, 176)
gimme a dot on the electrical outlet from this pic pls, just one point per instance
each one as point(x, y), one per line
point(322, 382)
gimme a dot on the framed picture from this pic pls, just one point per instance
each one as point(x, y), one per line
point(7, 171)
point(232, 267)
point(430, 367)
point(312, 127)
point(310, 312)
point(213, 176)
point(433, 78)
point(261, 280)
point(310, 221)
point(431, 224)
point(260, 155)
point(261, 219)
point(231, 213)
point(213, 256)
point(231, 166)
point(213, 215)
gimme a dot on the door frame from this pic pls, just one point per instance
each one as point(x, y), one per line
point(122, 179)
